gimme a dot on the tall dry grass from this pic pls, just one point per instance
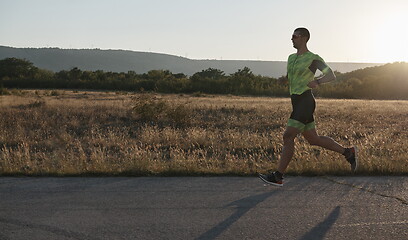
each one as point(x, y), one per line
point(86, 133)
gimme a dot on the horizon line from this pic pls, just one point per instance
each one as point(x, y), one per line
point(194, 59)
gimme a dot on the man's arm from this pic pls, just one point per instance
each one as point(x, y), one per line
point(328, 77)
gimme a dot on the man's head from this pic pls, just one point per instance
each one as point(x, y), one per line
point(300, 37)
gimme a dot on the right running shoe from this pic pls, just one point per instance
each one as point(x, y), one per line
point(271, 179)
point(351, 157)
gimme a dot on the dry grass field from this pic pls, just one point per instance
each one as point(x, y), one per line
point(62, 133)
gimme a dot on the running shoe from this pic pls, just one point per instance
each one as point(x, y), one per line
point(271, 179)
point(351, 157)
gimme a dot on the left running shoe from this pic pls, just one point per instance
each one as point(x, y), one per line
point(271, 179)
point(352, 158)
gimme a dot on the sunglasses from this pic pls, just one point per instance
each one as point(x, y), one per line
point(295, 36)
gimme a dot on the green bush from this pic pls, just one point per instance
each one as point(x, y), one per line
point(388, 81)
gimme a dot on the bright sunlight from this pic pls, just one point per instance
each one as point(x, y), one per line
point(391, 39)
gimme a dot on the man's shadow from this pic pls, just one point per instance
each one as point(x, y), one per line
point(320, 230)
point(246, 204)
point(242, 207)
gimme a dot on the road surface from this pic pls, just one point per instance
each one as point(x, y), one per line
point(203, 208)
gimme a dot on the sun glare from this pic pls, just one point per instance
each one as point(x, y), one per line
point(391, 39)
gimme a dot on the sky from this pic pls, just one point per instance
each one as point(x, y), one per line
point(341, 31)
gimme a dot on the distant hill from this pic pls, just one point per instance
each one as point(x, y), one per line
point(56, 59)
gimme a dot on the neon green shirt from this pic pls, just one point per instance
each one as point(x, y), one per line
point(301, 70)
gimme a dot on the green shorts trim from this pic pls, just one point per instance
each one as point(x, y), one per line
point(300, 126)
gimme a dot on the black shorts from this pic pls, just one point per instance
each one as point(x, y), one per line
point(303, 106)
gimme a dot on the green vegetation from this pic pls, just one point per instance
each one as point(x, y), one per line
point(389, 81)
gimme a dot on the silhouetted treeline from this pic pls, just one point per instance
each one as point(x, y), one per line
point(384, 82)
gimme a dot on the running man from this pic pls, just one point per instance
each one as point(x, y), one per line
point(301, 70)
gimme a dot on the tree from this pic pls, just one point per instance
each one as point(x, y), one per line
point(245, 73)
point(210, 80)
point(75, 74)
point(210, 73)
point(242, 81)
point(17, 68)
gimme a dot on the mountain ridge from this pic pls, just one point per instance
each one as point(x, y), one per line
point(57, 59)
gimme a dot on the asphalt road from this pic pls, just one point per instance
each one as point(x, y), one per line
point(204, 208)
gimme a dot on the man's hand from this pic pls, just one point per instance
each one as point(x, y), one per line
point(313, 84)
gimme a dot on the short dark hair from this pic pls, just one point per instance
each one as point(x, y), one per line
point(303, 32)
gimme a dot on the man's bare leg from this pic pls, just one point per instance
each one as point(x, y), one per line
point(326, 142)
point(288, 148)
point(275, 178)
